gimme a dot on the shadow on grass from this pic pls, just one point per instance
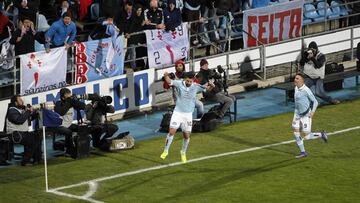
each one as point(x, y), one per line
point(249, 143)
point(237, 175)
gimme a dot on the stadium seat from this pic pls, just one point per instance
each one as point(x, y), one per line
point(306, 21)
point(282, 1)
point(344, 10)
point(94, 11)
point(321, 9)
point(311, 13)
point(335, 8)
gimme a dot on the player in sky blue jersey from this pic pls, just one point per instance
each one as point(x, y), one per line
point(186, 92)
point(305, 107)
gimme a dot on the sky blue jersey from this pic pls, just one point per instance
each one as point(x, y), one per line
point(305, 100)
point(186, 96)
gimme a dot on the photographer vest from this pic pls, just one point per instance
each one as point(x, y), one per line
point(11, 127)
point(68, 118)
point(311, 71)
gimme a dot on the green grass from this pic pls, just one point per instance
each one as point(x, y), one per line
point(329, 174)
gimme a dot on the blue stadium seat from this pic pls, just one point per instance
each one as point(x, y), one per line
point(321, 9)
point(306, 21)
point(282, 1)
point(344, 9)
point(94, 11)
point(311, 13)
point(335, 7)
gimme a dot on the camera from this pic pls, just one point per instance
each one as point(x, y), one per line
point(102, 102)
point(45, 105)
point(307, 52)
point(95, 98)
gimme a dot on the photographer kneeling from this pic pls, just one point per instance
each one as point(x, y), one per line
point(17, 126)
point(217, 94)
point(96, 113)
point(65, 108)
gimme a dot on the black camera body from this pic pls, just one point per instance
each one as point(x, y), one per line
point(307, 52)
point(220, 79)
point(102, 102)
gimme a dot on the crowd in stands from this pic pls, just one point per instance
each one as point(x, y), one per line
point(27, 22)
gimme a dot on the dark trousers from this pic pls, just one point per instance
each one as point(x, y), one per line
point(31, 142)
point(225, 100)
point(67, 132)
point(318, 89)
point(98, 130)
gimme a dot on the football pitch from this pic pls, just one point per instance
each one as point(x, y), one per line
point(247, 161)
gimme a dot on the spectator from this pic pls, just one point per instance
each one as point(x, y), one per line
point(84, 7)
point(154, 18)
point(172, 16)
point(65, 7)
point(105, 29)
point(137, 25)
point(124, 20)
point(24, 38)
point(28, 9)
point(5, 26)
point(208, 14)
point(191, 12)
point(223, 9)
point(61, 32)
point(313, 65)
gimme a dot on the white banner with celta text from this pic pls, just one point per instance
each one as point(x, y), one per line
point(166, 47)
point(273, 23)
point(41, 71)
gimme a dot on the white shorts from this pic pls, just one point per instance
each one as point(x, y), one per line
point(181, 119)
point(302, 122)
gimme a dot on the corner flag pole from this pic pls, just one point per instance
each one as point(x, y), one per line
point(45, 162)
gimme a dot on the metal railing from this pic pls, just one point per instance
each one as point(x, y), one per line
point(219, 45)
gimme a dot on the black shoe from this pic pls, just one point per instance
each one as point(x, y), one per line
point(5, 163)
point(335, 101)
point(26, 163)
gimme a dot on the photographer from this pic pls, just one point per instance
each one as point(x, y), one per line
point(65, 108)
point(17, 124)
point(313, 66)
point(179, 74)
point(217, 94)
point(96, 113)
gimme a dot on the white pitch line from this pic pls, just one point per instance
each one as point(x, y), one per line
point(94, 181)
point(92, 189)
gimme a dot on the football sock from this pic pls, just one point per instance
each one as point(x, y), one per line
point(185, 145)
point(169, 139)
point(299, 141)
point(312, 136)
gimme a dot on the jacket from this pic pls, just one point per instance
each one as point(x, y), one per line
point(26, 44)
point(172, 19)
point(65, 109)
point(58, 33)
point(154, 16)
point(17, 120)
